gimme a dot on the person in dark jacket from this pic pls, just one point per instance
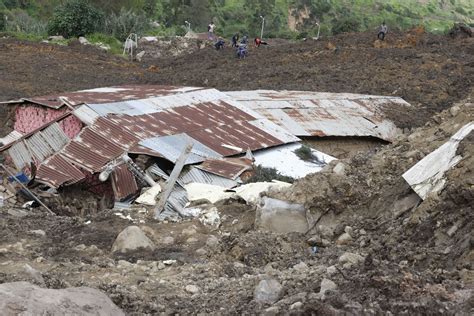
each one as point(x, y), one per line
point(235, 40)
point(219, 44)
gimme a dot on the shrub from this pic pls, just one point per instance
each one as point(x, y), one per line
point(268, 174)
point(75, 18)
point(124, 23)
point(19, 21)
point(2, 21)
point(304, 153)
point(346, 24)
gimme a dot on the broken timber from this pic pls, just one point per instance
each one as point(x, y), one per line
point(173, 178)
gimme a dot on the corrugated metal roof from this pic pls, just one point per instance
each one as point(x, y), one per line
point(196, 175)
point(230, 168)
point(20, 155)
point(304, 113)
point(57, 171)
point(170, 147)
point(10, 138)
point(123, 183)
point(105, 95)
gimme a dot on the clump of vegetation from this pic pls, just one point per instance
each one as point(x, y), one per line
point(124, 23)
point(75, 18)
point(305, 153)
point(263, 174)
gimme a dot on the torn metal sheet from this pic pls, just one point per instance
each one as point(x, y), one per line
point(20, 155)
point(105, 95)
point(57, 171)
point(288, 163)
point(230, 168)
point(123, 183)
point(170, 147)
point(10, 138)
point(427, 176)
point(196, 175)
point(305, 113)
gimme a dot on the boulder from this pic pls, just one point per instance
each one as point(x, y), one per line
point(268, 291)
point(327, 285)
point(349, 259)
point(132, 238)
point(281, 217)
point(27, 299)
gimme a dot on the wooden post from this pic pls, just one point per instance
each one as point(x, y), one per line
point(169, 186)
point(27, 190)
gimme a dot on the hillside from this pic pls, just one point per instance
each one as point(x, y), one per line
point(283, 18)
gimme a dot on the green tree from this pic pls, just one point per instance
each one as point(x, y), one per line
point(75, 18)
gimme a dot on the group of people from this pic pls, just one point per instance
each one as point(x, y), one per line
point(242, 50)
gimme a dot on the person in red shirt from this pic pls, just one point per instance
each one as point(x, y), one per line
point(258, 41)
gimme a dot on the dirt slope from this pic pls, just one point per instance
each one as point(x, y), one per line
point(428, 71)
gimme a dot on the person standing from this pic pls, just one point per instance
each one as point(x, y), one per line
point(210, 30)
point(382, 31)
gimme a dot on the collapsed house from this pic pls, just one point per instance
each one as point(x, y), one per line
point(116, 141)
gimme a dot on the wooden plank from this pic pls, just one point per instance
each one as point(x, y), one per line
point(169, 186)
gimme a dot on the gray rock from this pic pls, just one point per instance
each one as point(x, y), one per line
point(281, 217)
point(296, 305)
point(301, 267)
point(331, 270)
point(327, 285)
point(454, 111)
point(38, 232)
point(268, 291)
point(212, 241)
point(192, 289)
point(349, 259)
point(167, 240)
point(17, 213)
point(27, 299)
point(132, 238)
point(272, 311)
point(34, 274)
point(83, 40)
point(344, 239)
point(56, 38)
point(340, 169)
point(140, 55)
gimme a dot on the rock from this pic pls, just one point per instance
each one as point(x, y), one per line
point(349, 259)
point(38, 232)
point(281, 217)
point(169, 262)
point(239, 265)
point(83, 40)
point(327, 285)
point(340, 169)
point(167, 240)
point(212, 241)
point(80, 247)
point(140, 55)
point(27, 299)
point(272, 311)
point(344, 239)
point(454, 111)
point(132, 238)
point(452, 230)
point(56, 38)
point(192, 289)
point(192, 240)
point(349, 230)
point(17, 213)
point(268, 291)
point(331, 270)
point(201, 252)
point(189, 231)
point(296, 305)
point(362, 232)
point(34, 274)
point(301, 267)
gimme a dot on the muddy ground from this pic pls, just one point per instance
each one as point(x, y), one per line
point(429, 71)
point(403, 256)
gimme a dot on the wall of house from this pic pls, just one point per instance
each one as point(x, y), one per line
point(29, 117)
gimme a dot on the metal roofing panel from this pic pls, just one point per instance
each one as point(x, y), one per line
point(10, 138)
point(306, 113)
point(57, 171)
point(123, 183)
point(55, 136)
point(39, 147)
point(196, 175)
point(50, 176)
point(85, 114)
point(84, 157)
point(58, 162)
point(171, 147)
point(230, 168)
point(20, 155)
point(107, 95)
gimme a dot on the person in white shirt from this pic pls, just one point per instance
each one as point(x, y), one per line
point(210, 30)
point(382, 31)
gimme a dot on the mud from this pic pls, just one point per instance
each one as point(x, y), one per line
point(404, 255)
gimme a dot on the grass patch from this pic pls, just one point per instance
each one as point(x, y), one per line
point(116, 47)
point(24, 36)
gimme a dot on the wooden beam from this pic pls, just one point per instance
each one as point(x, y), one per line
point(169, 186)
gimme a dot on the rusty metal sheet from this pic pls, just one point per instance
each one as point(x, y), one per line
point(106, 95)
point(123, 183)
point(305, 113)
point(230, 168)
point(57, 171)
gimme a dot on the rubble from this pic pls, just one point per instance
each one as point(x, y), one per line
point(268, 291)
point(30, 299)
